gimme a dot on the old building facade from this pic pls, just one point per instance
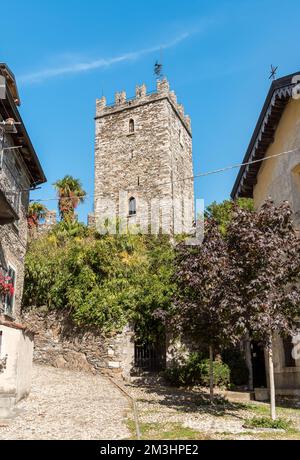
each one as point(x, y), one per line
point(20, 171)
point(276, 135)
point(143, 162)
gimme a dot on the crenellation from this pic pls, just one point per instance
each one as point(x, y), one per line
point(180, 109)
point(140, 91)
point(100, 104)
point(187, 120)
point(142, 97)
point(120, 98)
point(173, 97)
point(163, 86)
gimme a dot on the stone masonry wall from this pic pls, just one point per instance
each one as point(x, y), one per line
point(144, 161)
point(13, 237)
point(60, 343)
point(182, 171)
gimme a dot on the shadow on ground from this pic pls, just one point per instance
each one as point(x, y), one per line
point(194, 399)
point(186, 399)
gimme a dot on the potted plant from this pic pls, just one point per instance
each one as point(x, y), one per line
point(6, 286)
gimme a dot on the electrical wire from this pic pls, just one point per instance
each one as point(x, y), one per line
point(208, 173)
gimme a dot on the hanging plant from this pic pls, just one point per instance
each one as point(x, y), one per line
point(6, 286)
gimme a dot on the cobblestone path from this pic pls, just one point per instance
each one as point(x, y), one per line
point(65, 404)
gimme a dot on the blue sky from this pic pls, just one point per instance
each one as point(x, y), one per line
point(216, 56)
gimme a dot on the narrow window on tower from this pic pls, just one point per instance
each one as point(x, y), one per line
point(138, 181)
point(131, 125)
point(180, 137)
point(132, 206)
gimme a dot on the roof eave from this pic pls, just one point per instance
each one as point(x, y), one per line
point(38, 176)
point(276, 86)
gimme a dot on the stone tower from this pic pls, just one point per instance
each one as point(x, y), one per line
point(143, 153)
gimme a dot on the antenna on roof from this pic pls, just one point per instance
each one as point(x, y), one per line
point(273, 72)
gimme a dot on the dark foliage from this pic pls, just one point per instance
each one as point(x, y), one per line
point(196, 372)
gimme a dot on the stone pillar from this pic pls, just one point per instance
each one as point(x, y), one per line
point(128, 352)
point(177, 352)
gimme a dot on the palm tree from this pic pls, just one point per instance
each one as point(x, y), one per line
point(70, 194)
point(36, 212)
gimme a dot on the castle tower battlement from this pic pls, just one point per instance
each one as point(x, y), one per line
point(143, 160)
point(121, 102)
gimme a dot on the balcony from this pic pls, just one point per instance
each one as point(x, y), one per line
point(7, 212)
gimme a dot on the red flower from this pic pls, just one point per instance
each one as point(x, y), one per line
point(6, 287)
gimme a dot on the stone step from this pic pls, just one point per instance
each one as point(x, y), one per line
point(7, 405)
point(239, 396)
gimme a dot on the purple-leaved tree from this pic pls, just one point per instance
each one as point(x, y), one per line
point(262, 279)
point(198, 309)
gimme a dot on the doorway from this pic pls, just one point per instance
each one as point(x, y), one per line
point(259, 366)
point(150, 357)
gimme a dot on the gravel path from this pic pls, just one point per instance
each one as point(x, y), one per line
point(166, 406)
point(65, 404)
point(159, 404)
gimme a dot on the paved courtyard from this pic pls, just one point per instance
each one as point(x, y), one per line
point(65, 404)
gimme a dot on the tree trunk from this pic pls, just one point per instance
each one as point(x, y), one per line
point(248, 357)
point(211, 373)
point(272, 383)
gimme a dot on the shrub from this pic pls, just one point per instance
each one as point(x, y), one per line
point(102, 280)
point(196, 372)
point(266, 422)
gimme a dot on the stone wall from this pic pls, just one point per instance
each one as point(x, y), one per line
point(60, 343)
point(14, 182)
point(15, 379)
point(143, 149)
point(48, 223)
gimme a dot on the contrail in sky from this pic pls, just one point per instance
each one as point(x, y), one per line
point(101, 63)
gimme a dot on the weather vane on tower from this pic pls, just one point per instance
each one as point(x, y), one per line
point(158, 66)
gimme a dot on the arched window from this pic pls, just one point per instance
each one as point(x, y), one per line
point(132, 206)
point(131, 125)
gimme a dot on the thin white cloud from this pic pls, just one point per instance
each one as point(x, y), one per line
point(102, 63)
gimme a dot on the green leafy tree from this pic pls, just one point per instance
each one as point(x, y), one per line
point(222, 212)
point(101, 280)
point(70, 194)
point(36, 212)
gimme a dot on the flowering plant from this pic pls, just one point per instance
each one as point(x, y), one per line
point(6, 286)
